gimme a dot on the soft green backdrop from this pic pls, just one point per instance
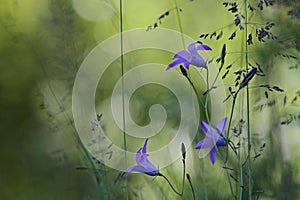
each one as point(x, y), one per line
point(42, 44)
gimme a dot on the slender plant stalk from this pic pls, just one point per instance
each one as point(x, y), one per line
point(241, 181)
point(230, 120)
point(241, 170)
point(190, 182)
point(250, 187)
point(160, 174)
point(123, 88)
point(202, 167)
point(183, 178)
point(219, 154)
point(122, 73)
point(208, 118)
point(179, 23)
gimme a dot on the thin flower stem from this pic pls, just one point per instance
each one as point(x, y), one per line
point(190, 182)
point(229, 180)
point(183, 43)
point(194, 88)
point(183, 178)
point(227, 136)
point(160, 174)
point(179, 23)
point(218, 153)
point(123, 87)
point(208, 119)
point(250, 187)
point(230, 120)
point(206, 96)
point(241, 179)
point(207, 115)
point(122, 73)
point(203, 179)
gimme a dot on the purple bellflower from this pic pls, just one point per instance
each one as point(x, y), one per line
point(190, 57)
point(143, 164)
point(213, 139)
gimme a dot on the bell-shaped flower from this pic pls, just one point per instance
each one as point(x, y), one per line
point(143, 164)
point(214, 138)
point(190, 57)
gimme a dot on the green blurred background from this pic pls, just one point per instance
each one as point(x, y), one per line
point(43, 43)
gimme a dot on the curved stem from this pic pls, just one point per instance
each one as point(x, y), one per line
point(194, 88)
point(160, 174)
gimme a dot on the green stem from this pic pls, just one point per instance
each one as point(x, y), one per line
point(190, 182)
point(207, 116)
point(183, 178)
point(218, 153)
point(179, 23)
point(197, 94)
point(229, 179)
point(241, 181)
point(123, 88)
point(122, 73)
point(160, 174)
point(250, 187)
point(208, 119)
point(230, 120)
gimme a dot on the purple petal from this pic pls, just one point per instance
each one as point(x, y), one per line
point(213, 155)
point(222, 124)
point(206, 143)
point(186, 64)
point(174, 63)
point(199, 144)
point(152, 173)
point(148, 166)
point(198, 61)
point(192, 48)
point(145, 147)
point(203, 47)
point(138, 156)
point(221, 142)
point(184, 55)
point(135, 168)
point(205, 128)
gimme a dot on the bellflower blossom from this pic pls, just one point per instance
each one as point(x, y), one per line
point(190, 57)
point(143, 164)
point(213, 139)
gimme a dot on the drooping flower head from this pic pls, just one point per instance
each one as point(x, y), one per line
point(214, 138)
point(143, 164)
point(190, 57)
